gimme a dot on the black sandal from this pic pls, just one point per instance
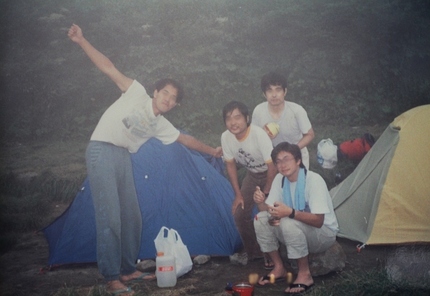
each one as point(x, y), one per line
point(268, 263)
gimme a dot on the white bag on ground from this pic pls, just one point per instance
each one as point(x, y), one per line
point(169, 241)
point(327, 154)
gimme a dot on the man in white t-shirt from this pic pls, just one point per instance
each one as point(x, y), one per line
point(292, 119)
point(305, 222)
point(125, 126)
point(249, 146)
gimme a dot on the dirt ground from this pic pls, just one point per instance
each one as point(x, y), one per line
point(23, 272)
point(23, 268)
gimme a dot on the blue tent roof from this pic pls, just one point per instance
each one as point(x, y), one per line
point(177, 188)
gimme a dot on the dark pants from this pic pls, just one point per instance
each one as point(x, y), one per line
point(244, 219)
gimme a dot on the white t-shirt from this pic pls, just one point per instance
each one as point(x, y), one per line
point(317, 197)
point(253, 151)
point(130, 121)
point(293, 122)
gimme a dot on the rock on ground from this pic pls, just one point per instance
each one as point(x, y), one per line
point(323, 263)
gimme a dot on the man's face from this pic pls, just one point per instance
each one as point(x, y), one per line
point(287, 165)
point(236, 123)
point(164, 100)
point(275, 95)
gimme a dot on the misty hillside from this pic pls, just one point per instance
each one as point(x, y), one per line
point(347, 62)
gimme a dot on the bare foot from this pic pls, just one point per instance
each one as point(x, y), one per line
point(137, 275)
point(117, 288)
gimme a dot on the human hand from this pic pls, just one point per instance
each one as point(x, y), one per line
point(259, 196)
point(279, 210)
point(269, 132)
point(238, 201)
point(218, 152)
point(75, 33)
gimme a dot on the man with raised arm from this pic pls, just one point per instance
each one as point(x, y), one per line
point(126, 125)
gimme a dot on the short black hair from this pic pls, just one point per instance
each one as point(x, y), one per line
point(287, 147)
point(160, 84)
point(229, 107)
point(273, 78)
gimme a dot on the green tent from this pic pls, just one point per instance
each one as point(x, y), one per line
point(386, 200)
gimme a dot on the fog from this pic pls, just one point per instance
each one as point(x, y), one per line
point(347, 62)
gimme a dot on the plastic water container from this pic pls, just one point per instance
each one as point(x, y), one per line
point(165, 270)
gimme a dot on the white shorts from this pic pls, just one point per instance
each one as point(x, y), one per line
point(299, 238)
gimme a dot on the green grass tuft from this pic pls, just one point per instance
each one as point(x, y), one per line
point(366, 283)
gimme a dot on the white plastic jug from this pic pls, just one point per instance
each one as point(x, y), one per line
point(165, 270)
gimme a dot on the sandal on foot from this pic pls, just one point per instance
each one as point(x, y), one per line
point(128, 290)
point(268, 263)
point(293, 286)
point(267, 278)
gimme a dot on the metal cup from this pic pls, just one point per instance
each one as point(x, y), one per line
point(243, 289)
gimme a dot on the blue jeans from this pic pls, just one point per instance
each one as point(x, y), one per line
point(117, 211)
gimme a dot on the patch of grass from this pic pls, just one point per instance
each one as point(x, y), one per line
point(26, 204)
point(19, 214)
point(370, 283)
point(7, 241)
point(101, 291)
point(24, 213)
point(75, 291)
point(410, 264)
point(60, 189)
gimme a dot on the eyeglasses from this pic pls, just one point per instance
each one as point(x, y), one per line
point(284, 160)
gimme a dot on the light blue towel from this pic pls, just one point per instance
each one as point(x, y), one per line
point(299, 194)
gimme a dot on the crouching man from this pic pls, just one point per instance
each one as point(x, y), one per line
point(307, 223)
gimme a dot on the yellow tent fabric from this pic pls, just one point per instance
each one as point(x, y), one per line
point(386, 200)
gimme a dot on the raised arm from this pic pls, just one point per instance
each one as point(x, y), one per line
point(99, 59)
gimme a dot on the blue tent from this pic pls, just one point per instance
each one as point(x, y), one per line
point(177, 188)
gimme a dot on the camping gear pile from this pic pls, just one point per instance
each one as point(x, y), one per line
point(328, 154)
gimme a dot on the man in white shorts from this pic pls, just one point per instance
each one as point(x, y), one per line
point(292, 119)
point(301, 202)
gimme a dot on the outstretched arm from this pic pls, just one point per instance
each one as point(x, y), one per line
point(99, 59)
point(193, 143)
